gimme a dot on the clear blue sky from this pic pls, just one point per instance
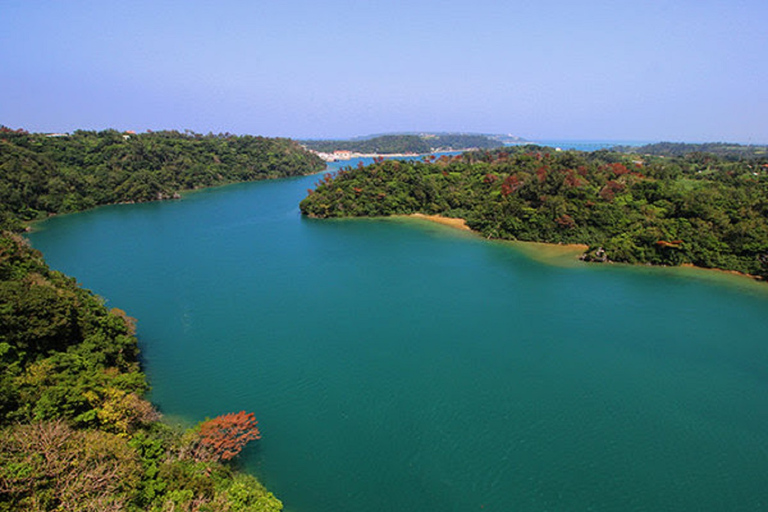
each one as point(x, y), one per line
point(682, 70)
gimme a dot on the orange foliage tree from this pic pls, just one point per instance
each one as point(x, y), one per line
point(223, 437)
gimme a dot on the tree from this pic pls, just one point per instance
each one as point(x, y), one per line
point(223, 437)
point(49, 466)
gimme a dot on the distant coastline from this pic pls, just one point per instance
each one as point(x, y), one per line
point(403, 145)
point(343, 156)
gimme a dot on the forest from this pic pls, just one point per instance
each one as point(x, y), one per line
point(76, 432)
point(401, 144)
point(698, 209)
point(42, 174)
point(720, 149)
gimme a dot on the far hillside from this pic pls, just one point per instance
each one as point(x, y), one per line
point(728, 151)
point(697, 209)
point(406, 143)
point(43, 174)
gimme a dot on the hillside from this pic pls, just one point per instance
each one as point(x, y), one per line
point(405, 143)
point(699, 209)
point(720, 149)
point(76, 432)
point(42, 175)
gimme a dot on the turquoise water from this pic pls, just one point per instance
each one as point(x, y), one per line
point(397, 365)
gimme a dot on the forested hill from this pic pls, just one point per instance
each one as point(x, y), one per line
point(698, 209)
point(720, 149)
point(400, 144)
point(75, 430)
point(43, 174)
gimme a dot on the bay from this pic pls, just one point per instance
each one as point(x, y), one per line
point(395, 364)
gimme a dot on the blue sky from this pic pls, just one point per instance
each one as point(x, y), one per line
point(549, 69)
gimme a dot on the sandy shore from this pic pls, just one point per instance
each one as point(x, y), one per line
point(553, 254)
point(722, 271)
point(568, 254)
point(446, 221)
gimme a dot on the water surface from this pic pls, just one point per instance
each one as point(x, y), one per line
point(401, 365)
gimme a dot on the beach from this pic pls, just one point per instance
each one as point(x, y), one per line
point(446, 221)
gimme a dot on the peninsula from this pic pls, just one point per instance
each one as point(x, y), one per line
point(698, 209)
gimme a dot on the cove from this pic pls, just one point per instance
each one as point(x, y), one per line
point(401, 365)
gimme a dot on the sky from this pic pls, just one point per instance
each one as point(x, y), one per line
point(652, 70)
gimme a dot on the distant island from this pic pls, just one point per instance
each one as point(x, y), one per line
point(640, 207)
point(404, 144)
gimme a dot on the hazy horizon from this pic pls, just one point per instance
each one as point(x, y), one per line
point(553, 70)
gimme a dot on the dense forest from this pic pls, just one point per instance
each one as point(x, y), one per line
point(401, 144)
point(699, 209)
point(720, 149)
point(42, 174)
point(76, 432)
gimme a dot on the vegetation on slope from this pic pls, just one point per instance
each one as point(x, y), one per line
point(721, 149)
point(75, 430)
point(400, 144)
point(41, 175)
point(699, 209)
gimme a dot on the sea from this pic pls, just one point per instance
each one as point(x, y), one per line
point(587, 145)
point(401, 365)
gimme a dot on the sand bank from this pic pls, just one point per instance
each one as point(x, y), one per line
point(553, 254)
point(568, 254)
point(446, 221)
point(723, 271)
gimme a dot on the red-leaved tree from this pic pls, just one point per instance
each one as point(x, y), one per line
point(223, 437)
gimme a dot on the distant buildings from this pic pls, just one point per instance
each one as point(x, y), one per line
point(336, 155)
point(342, 155)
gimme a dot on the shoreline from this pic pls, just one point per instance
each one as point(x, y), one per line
point(734, 273)
point(550, 253)
point(562, 255)
point(30, 226)
point(569, 254)
point(330, 157)
point(454, 222)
